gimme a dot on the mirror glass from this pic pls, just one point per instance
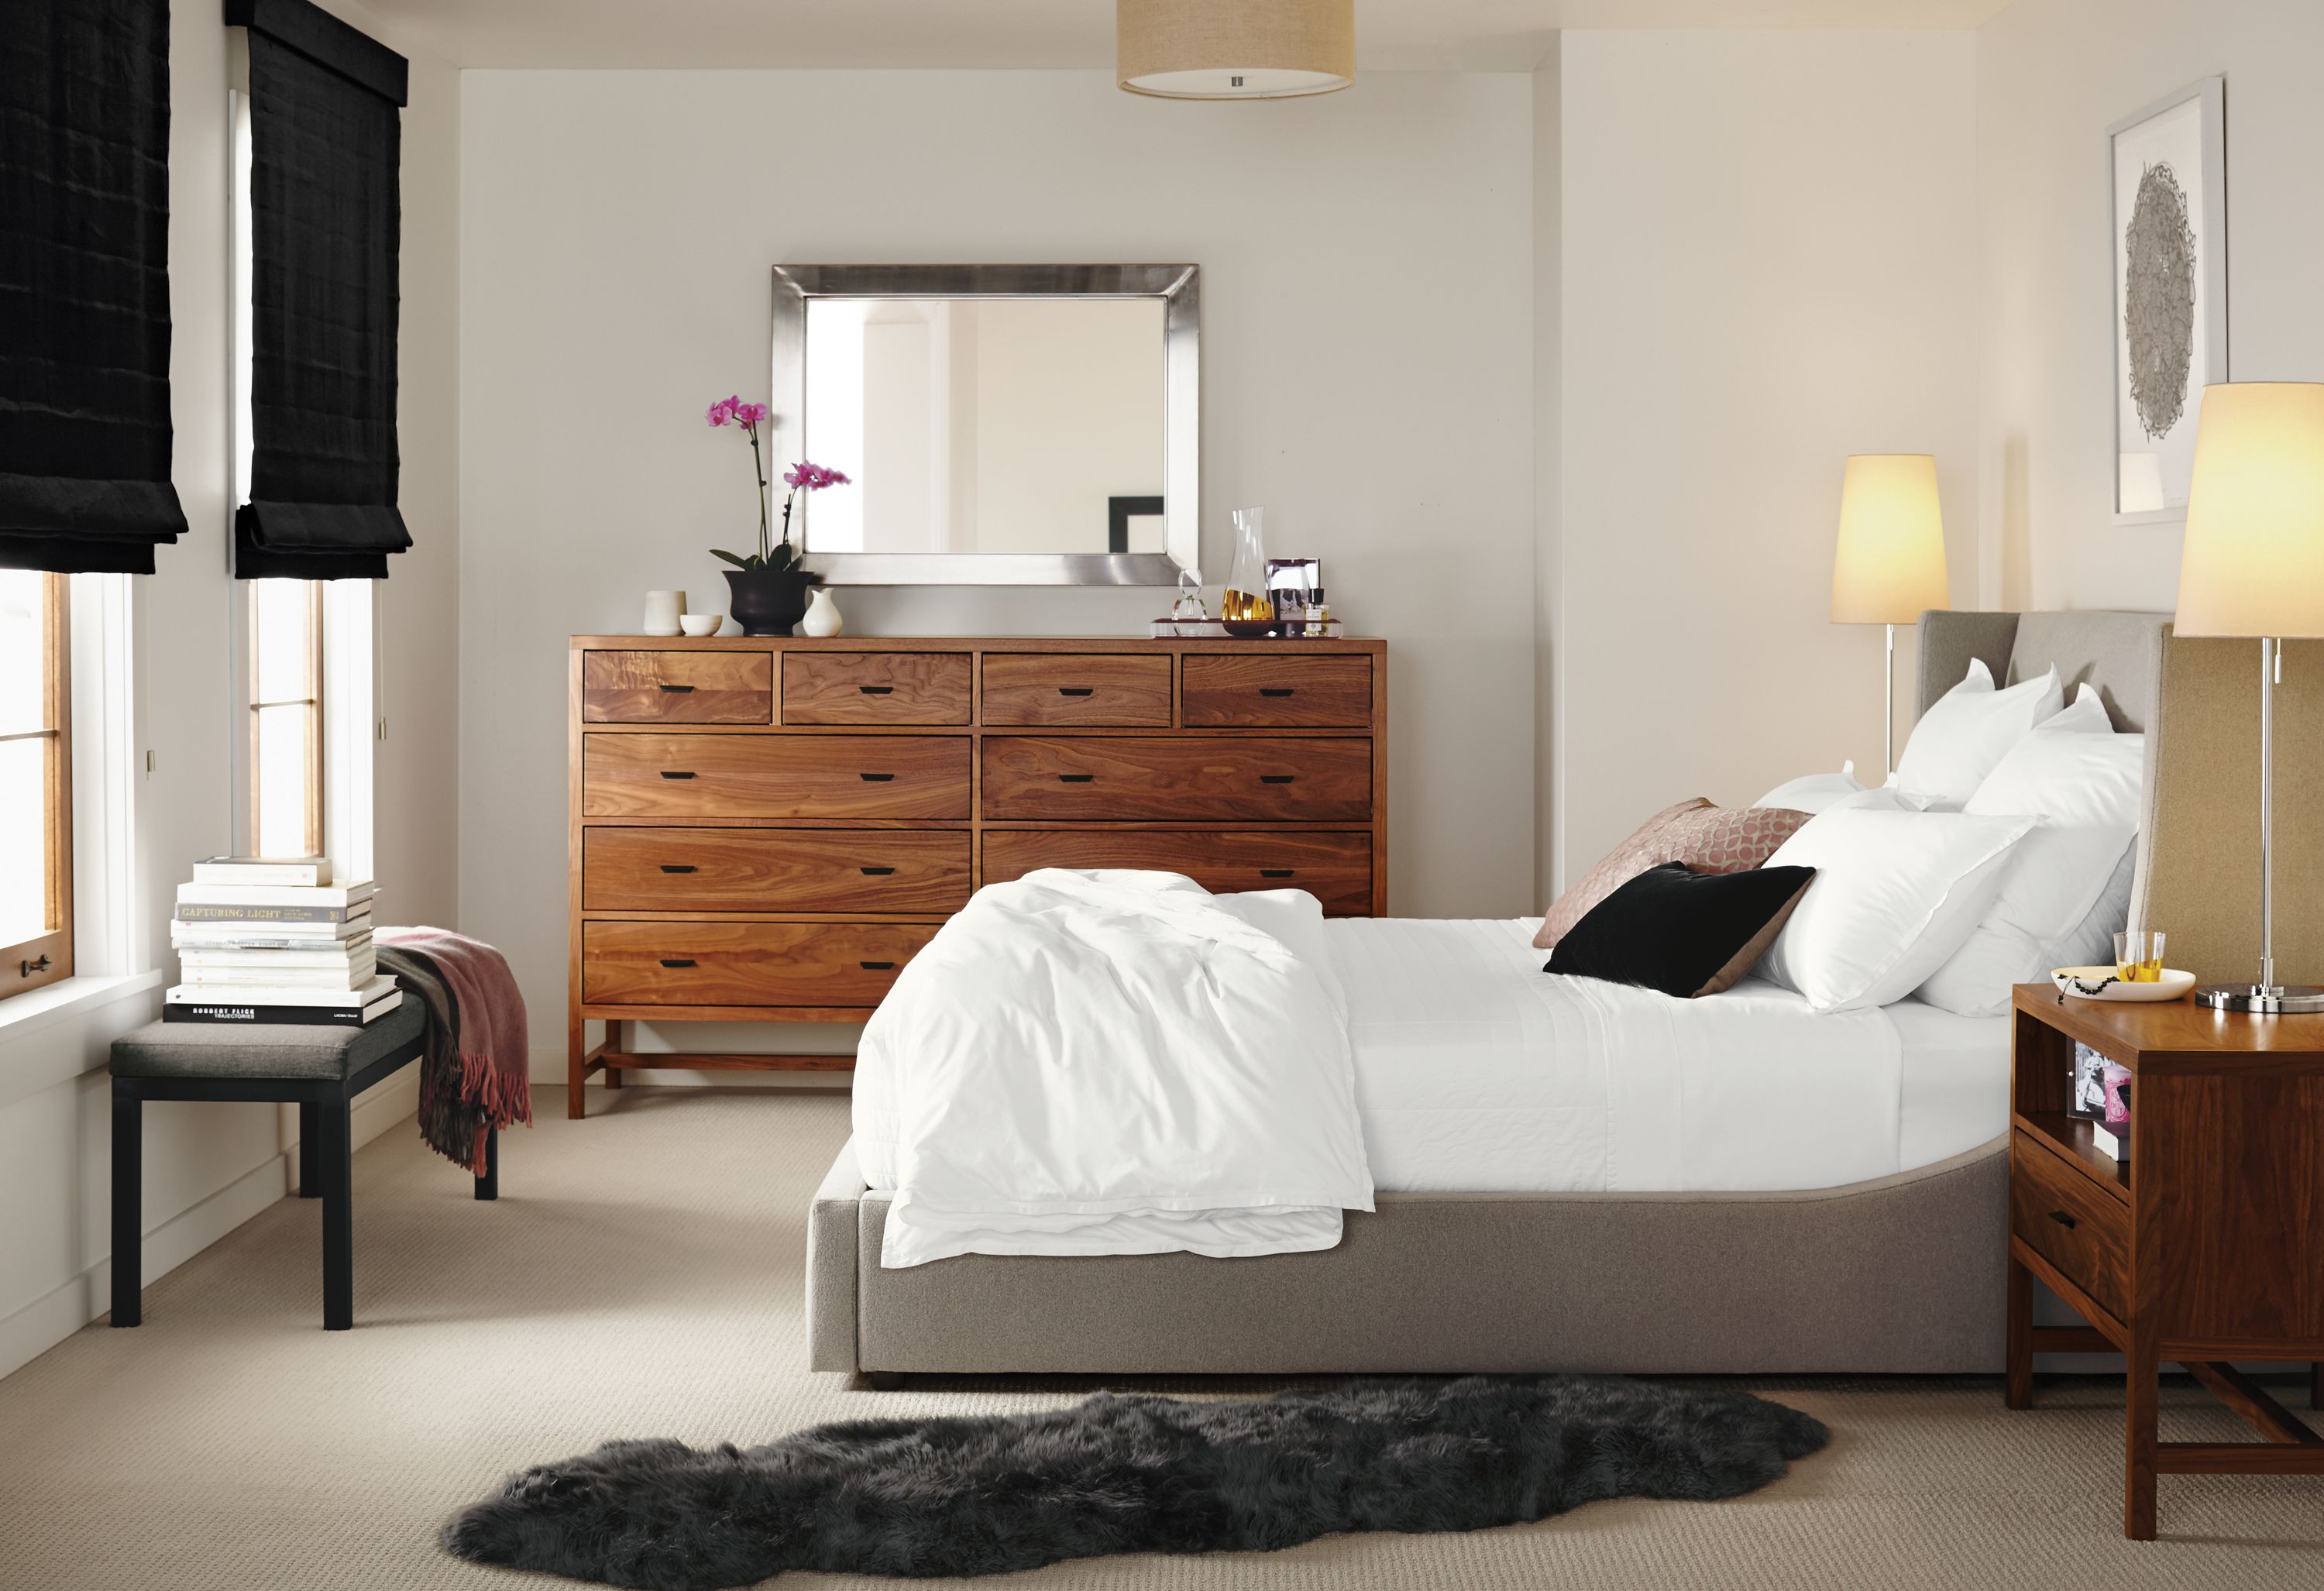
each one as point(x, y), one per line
point(987, 424)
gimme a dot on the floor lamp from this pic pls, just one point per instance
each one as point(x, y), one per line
point(2254, 566)
point(1890, 565)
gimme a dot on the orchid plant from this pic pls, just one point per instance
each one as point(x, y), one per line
point(775, 554)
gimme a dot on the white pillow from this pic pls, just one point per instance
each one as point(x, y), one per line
point(1896, 893)
point(1966, 732)
point(2081, 780)
point(1814, 793)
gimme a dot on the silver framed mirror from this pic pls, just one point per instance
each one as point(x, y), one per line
point(1001, 425)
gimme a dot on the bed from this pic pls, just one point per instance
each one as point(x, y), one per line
point(1762, 1190)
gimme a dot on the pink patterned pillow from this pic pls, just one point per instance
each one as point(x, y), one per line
point(1708, 839)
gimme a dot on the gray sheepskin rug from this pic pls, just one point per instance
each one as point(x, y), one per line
point(1126, 1474)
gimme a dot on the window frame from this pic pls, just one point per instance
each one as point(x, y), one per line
point(53, 946)
point(313, 820)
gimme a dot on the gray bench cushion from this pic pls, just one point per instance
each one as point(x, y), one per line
point(200, 1049)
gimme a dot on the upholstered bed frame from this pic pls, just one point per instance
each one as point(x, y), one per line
point(1902, 1273)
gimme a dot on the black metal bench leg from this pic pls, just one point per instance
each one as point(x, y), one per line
point(128, 1202)
point(338, 1157)
point(310, 1149)
point(488, 1186)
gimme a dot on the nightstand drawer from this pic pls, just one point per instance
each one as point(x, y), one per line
point(2071, 1221)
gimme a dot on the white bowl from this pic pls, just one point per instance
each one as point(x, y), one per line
point(701, 624)
point(2172, 985)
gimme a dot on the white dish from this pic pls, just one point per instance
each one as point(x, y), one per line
point(2172, 985)
point(701, 624)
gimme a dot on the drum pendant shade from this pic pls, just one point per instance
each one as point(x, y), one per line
point(1235, 48)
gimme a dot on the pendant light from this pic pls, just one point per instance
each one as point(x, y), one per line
point(1235, 48)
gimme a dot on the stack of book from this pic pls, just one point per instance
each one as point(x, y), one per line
point(261, 939)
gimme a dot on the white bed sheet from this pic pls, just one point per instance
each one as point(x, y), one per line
point(1469, 1077)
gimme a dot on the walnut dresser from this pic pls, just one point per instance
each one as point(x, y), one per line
point(768, 828)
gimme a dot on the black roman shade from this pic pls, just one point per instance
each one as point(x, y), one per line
point(85, 286)
point(326, 226)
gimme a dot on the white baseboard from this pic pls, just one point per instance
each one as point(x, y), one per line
point(56, 1314)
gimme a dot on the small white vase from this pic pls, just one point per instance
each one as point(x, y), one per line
point(823, 617)
point(662, 611)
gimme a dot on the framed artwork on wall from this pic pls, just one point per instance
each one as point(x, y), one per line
point(2167, 176)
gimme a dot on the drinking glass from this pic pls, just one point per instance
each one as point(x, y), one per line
point(2138, 956)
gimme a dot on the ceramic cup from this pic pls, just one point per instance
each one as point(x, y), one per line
point(701, 624)
point(663, 609)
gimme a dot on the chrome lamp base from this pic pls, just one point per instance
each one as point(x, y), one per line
point(2262, 999)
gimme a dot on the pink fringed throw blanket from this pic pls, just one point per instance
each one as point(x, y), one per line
point(473, 1079)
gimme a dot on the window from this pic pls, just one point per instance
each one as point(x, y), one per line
point(285, 676)
point(35, 780)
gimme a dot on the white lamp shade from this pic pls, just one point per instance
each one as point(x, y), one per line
point(1890, 567)
point(1234, 49)
point(2254, 559)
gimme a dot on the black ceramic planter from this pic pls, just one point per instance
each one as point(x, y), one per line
point(766, 602)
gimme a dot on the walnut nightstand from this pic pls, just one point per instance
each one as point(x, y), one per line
point(2205, 1248)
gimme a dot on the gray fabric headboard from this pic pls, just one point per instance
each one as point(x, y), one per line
point(2198, 704)
point(2120, 653)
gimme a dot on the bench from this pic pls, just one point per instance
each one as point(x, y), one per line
point(319, 1069)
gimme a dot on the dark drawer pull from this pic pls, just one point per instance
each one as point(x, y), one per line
point(678, 867)
point(1075, 778)
point(668, 775)
point(678, 690)
point(1077, 690)
point(2062, 1218)
point(875, 779)
point(875, 872)
point(877, 966)
point(1275, 690)
point(1275, 872)
point(1276, 778)
point(677, 960)
point(877, 690)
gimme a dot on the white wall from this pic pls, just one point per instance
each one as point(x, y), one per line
point(1367, 309)
point(209, 1167)
point(2052, 76)
point(1767, 262)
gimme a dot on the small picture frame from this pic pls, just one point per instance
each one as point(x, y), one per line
point(2087, 1101)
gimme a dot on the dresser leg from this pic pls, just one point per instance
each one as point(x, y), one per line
point(2316, 1385)
point(2019, 1359)
point(2139, 1392)
point(576, 1066)
point(615, 1033)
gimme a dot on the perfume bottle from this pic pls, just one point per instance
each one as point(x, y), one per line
point(1245, 603)
point(1189, 605)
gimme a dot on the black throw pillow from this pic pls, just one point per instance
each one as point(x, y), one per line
point(1681, 932)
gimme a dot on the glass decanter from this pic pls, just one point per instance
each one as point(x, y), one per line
point(1246, 606)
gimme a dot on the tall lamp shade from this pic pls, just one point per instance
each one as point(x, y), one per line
point(1234, 49)
point(1890, 564)
point(2253, 566)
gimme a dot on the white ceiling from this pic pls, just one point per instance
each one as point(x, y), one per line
point(1477, 35)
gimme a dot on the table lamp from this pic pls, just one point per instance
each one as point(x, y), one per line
point(2254, 566)
point(1890, 567)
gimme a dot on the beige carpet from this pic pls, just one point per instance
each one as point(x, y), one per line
point(640, 1276)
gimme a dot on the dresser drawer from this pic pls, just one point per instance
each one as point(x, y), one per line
point(1134, 778)
point(678, 687)
point(875, 688)
point(774, 870)
point(1335, 868)
point(2071, 1221)
point(829, 964)
point(776, 775)
point(1225, 691)
point(1124, 689)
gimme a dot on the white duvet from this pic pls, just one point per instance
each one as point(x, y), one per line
point(1113, 1063)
